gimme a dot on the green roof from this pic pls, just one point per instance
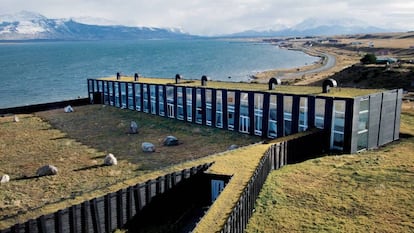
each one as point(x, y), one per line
point(255, 86)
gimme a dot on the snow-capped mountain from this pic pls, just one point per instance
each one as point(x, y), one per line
point(32, 26)
point(318, 27)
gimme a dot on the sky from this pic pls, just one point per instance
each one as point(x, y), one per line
point(216, 17)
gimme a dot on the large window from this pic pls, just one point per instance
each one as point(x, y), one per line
point(180, 103)
point(138, 96)
point(189, 99)
point(145, 97)
point(303, 114)
point(106, 93)
point(320, 113)
point(153, 96)
point(116, 94)
point(272, 132)
point(230, 109)
point(199, 107)
point(338, 125)
point(130, 96)
point(244, 124)
point(363, 124)
point(161, 100)
point(258, 113)
point(170, 102)
point(123, 94)
point(219, 109)
point(287, 114)
point(208, 106)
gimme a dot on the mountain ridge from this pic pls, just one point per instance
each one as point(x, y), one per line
point(33, 26)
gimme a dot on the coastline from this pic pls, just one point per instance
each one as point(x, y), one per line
point(327, 61)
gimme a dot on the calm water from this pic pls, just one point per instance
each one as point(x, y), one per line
point(44, 72)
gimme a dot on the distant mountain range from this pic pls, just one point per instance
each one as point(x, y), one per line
point(32, 26)
point(317, 27)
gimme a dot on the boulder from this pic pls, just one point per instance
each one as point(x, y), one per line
point(170, 141)
point(5, 179)
point(233, 147)
point(148, 147)
point(47, 170)
point(68, 109)
point(110, 160)
point(16, 118)
point(133, 128)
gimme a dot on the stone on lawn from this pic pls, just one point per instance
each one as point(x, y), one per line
point(5, 179)
point(68, 109)
point(110, 160)
point(133, 128)
point(16, 118)
point(47, 170)
point(148, 147)
point(233, 147)
point(170, 141)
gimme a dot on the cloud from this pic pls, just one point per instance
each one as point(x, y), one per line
point(208, 17)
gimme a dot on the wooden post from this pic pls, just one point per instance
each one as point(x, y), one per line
point(129, 208)
point(84, 217)
point(119, 209)
point(58, 222)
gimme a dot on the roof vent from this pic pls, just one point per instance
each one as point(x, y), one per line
point(327, 84)
point(273, 82)
point(177, 78)
point(136, 77)
point(204, 80)
point(118, 76)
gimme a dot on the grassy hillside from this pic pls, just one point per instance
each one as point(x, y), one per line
point(367, 192)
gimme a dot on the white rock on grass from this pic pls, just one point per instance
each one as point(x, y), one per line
point(47, 170)
point(110, 160)
point(133, 128)
point(147, 147)
point(68, 109)
point(4, 179)
point(16, 118)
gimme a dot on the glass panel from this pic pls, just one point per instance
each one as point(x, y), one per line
point(258, 113)
point(180, 101)
point(170, 101)
point(153, 97)
point(208, 106)
point(145, 97)
point(338, 121)
point(105, 91)
point(189, 104)
point(219, 109)
point(137, 96)
point(161, 100)
point(130, 96)
point(116, 94)
point(287, 114)
point(244, 122)
point(272, 132)
point(230, 109)
point(320, 113)
point(303, 114)
point(363, 124)
point(123, 95)
point(199, 107)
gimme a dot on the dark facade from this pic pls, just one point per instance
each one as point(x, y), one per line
point(351, 124)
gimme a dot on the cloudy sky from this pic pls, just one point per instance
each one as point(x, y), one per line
point(214, 17)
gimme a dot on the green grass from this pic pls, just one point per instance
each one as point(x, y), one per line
point(367, 192)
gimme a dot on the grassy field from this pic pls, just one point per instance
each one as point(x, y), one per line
point(367, 192)
point(76, 144)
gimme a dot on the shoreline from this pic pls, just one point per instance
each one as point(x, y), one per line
point(327, 61)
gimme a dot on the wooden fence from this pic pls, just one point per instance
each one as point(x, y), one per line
point(107, 213)
point(277, 156)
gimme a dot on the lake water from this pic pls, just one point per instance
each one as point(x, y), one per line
point(42, 72)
